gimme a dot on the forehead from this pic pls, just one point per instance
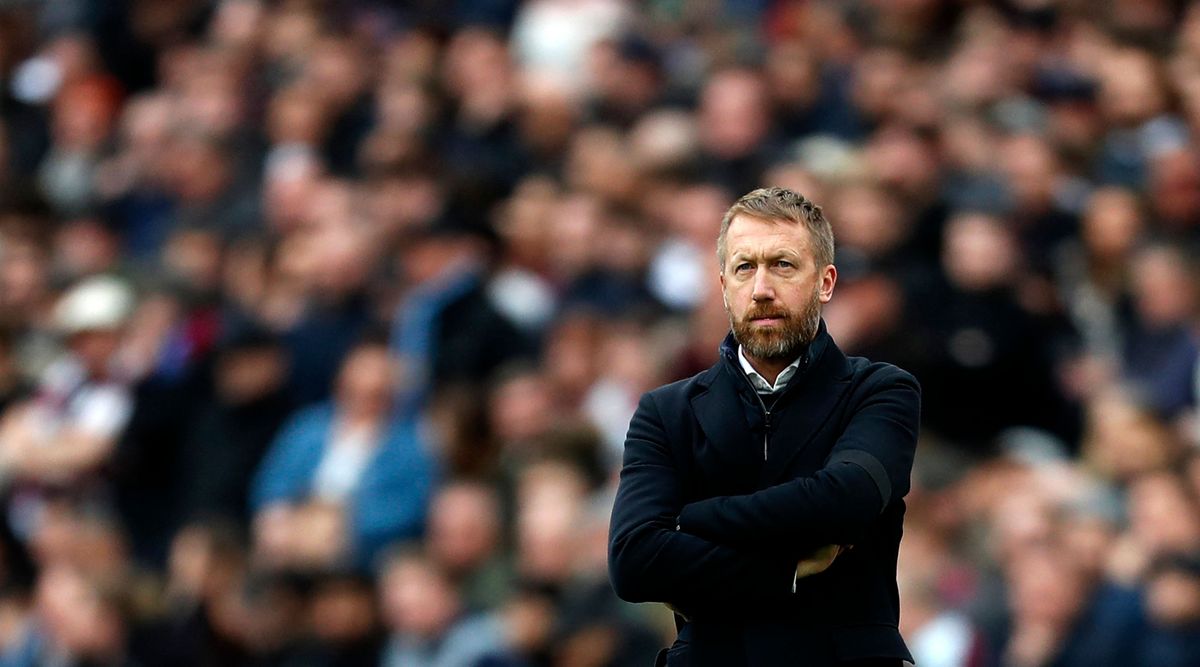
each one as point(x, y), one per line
point(368, 360)
point(752, 234)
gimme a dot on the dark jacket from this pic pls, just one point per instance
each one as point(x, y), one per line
point(719, 499)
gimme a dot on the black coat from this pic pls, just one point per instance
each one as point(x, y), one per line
point(719, 499)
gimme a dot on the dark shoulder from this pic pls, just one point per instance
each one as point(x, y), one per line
point(868, 376)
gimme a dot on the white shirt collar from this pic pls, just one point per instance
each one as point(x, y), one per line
point(760, 383)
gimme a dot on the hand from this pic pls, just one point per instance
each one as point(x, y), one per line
point(311, 534)
point(819, 561)
point(321, 535)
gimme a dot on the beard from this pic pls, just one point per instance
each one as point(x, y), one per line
point(783, 341)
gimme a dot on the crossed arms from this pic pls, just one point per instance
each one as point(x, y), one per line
point(746, 548)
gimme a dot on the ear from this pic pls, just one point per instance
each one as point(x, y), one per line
point(828, 280)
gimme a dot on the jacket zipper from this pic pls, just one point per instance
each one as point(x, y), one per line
point(762, 404)
point(766, 414)
point(766, 427)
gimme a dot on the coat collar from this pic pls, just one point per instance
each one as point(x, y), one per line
point(812, 393)
point(812, 356)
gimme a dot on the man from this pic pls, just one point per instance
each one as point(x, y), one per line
point(763, 498)
point(66, 432)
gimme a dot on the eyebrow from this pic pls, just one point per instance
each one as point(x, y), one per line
point(786, 253)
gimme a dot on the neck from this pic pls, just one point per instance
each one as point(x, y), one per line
point(360, 419)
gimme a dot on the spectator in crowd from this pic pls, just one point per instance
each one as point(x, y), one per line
point(427, 622)
point(435, 331)
point(343, 479)
point(464, 538)
point(1173, 613)
point(232, 432)
point(59, 439)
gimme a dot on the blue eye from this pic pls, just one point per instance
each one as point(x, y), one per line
point(744, 266)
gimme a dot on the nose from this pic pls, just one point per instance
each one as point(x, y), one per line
point(763, 289)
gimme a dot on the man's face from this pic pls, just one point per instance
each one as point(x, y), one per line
point(95, 348)
point(366, 381)
point(773, 287)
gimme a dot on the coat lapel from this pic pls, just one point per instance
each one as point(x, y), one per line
point(808, 406)
point(722, 418)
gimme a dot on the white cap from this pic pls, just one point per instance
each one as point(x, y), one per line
point(99, 303)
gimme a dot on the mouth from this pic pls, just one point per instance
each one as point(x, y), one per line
point(767, 319)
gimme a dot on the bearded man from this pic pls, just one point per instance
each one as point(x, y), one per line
point(763, 498)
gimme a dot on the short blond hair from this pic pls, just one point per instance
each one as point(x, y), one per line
point(781, 204)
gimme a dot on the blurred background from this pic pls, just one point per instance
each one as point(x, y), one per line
point(321, 322)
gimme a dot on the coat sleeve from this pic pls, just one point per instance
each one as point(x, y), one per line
point(650, 560)
point(286, 471)
point(391, 502)
point(867, 470)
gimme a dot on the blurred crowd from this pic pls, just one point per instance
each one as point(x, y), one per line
point(322, 321)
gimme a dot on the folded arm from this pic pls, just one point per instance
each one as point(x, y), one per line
point(867, 470)
point(651, 561)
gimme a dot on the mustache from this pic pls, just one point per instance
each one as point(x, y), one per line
point(760, 314)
